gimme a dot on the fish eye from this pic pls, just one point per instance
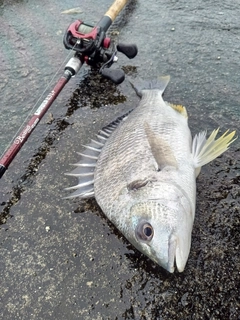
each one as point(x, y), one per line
point(144, 231)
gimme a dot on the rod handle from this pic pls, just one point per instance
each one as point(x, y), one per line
point(115, 8)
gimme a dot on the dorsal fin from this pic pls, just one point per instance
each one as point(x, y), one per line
point(84, 170)
point(160, 149)
point(179, 108)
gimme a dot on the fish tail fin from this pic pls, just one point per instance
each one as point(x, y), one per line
point(159, 84)
point(205, 150)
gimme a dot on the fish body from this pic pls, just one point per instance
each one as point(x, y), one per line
point(142, 171)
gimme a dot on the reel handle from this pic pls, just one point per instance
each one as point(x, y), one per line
point(117, 76)
point(130, 50)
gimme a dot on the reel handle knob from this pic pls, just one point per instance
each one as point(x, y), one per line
point(130, 50)
point(117, 76)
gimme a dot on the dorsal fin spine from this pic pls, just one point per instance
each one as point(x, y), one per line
point(86, 166)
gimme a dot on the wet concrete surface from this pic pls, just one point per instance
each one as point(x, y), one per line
point(63, 259)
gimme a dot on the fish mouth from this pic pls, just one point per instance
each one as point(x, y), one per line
point(175, 258)
point(172, 247)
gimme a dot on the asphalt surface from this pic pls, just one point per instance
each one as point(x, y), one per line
point(63, 259)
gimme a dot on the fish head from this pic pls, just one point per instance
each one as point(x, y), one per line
point(161, 229)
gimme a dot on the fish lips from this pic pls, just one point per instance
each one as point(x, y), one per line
point(174, 258)
point(172, 245)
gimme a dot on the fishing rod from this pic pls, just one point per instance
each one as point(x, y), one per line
point(91, 46)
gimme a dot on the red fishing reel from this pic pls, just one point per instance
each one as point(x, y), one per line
point(95, 48)
point(85, 38)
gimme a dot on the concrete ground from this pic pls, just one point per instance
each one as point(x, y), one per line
point(63, 259)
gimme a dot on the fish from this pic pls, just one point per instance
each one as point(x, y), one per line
point(142, 171)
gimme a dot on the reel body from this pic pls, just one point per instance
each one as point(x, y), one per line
point(93, 47)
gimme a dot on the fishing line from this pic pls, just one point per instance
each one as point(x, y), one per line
point(35, 105)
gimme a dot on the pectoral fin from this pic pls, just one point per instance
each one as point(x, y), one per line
point(160, 149)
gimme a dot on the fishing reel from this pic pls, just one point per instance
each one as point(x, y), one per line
point(93, 47)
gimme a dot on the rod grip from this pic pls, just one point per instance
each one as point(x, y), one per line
point(115, 8)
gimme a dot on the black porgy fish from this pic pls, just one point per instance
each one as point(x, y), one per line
point(142, 171)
